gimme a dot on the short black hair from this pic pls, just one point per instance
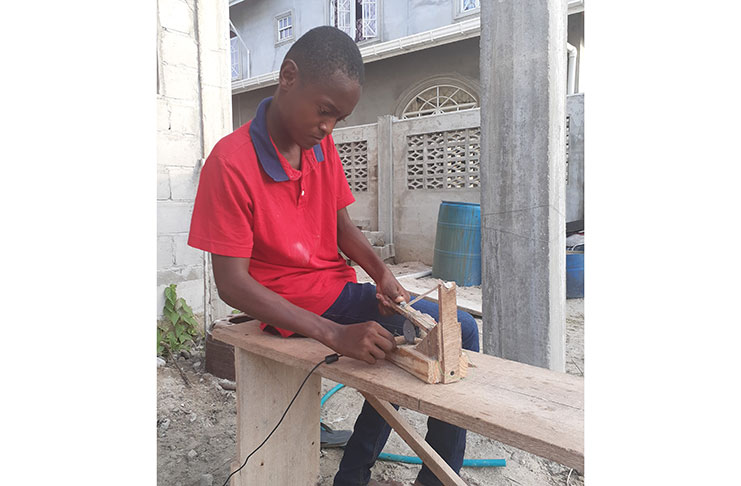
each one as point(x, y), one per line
point(323, 51)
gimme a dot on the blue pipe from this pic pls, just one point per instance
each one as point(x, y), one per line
point(385, 456)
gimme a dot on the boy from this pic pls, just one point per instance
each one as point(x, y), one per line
point(271, 209)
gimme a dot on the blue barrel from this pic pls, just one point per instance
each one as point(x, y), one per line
point(458, 243)
point(575, 275)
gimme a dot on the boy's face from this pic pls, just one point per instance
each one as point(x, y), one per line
point(310, 110)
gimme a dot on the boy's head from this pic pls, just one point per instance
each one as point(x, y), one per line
point(320, 83)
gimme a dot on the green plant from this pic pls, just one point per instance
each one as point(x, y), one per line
point(179, 328)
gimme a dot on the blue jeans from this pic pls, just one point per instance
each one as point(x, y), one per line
point(357, 303)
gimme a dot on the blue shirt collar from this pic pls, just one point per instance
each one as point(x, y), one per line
point(264, 147)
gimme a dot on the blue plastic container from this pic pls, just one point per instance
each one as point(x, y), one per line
point(458, 243)
point(574, 275)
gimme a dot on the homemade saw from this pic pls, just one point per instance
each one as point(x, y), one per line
point(436, 356)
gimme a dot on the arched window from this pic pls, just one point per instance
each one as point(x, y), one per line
point(438, 99)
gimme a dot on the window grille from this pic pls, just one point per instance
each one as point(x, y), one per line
point(354, 156)
point(236, 59)
point(439, 99)
point(342, 18)
point(357, 18)
point(444, 160)
point(285, 27)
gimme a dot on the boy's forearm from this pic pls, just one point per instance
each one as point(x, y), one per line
point(259, 302)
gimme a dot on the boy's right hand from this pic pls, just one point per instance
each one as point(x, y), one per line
point(366, 341)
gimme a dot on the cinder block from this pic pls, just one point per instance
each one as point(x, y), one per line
point(163, 113)
point(177, 150)
point(178, 49)
point(184, 254)
point(165, 252)
point(163, 185)
point(180, 82)
point(183, 183)
point(184, 118)
point(176, 15)
point(178, 274)
point(376, 238)
point(190, 290)
point(384, 252)
point(173, 217)
point(216, 69)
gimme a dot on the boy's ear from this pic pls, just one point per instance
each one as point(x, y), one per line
point(288, 76)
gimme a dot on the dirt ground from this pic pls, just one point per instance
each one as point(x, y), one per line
point(196, 425)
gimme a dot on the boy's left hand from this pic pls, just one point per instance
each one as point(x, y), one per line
point(388, 292)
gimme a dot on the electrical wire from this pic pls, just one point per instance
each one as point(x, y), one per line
point(327, 359)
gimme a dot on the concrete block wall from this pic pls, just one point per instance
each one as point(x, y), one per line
point(193, 113)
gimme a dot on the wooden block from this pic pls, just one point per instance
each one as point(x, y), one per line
point(432, 459)
point(264, 390)
point(410, 359)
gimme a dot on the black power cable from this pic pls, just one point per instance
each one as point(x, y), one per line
point(331, 358)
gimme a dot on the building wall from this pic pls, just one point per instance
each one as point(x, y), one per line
point(193, 112)
point(255, 21)
point(388, 81)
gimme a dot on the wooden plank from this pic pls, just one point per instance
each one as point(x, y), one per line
point(264, 390)
point(432, 459)
point(450, 334)
point(531, 408)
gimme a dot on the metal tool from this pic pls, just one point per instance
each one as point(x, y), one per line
point(410, 332)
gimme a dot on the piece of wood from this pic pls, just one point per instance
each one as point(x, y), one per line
point(419, 319)
point(410, 359)
point(450, 333)
point(534, 409)
point(264, 389)
point(432, 459)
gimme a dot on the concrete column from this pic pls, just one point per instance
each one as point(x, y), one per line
point(523, 115)
point(385, 179)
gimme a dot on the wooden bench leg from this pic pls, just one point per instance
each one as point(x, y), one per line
point(264, 389)
point(432, 459)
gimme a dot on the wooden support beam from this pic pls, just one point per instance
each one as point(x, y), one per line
point(432, 459)
point(264, 389)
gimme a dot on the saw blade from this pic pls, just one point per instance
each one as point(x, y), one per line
point(410, 333)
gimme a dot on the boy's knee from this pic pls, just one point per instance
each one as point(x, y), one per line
point(469, 331)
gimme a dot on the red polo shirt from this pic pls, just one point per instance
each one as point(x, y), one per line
point(252, 204)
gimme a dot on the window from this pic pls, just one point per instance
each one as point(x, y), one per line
point(236, 58)
point(357, 18)
point(284, 25)
point(438, 99)
point(468, 5)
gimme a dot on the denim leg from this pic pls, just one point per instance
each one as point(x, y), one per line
point(448, 440)
point(358, 303)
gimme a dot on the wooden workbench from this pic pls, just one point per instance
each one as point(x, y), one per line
point(530, 408)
